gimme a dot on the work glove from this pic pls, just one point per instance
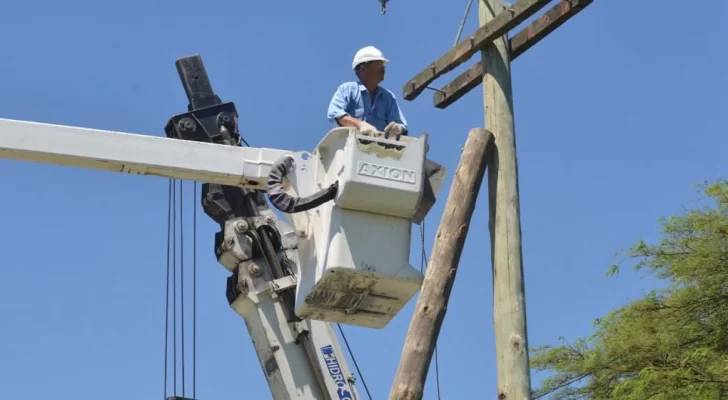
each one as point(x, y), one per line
point(393, 129)
point(367, 129)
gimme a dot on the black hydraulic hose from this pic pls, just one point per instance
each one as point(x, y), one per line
point(290, 204)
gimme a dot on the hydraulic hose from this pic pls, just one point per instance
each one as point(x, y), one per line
point(291, 204)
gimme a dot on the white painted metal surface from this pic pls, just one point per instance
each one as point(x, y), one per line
point(377, 175)
point(352, 252)
point(284, 362)
point(136, 154)
point(355, 257)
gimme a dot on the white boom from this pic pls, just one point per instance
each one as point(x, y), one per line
point(300, 360)
point(136, 154)
point(351, 202)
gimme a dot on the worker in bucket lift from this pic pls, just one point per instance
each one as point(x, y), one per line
point(364, 104)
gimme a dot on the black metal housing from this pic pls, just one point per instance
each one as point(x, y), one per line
point(210, 120)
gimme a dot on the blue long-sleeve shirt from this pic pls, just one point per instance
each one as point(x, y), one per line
point(353, 98)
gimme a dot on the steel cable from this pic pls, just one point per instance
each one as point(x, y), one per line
point(172, 269)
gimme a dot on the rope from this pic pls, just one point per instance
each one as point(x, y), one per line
point(356, 365)
point(423, 263)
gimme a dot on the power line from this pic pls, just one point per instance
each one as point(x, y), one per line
point(353, 359)
point(462, 24)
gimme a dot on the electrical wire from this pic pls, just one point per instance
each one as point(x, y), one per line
point(462, 24)
point(423, 263)
point(353, 359)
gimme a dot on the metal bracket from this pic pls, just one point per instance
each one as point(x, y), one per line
point(208, 119)
point(284, 283)
point(384, 6)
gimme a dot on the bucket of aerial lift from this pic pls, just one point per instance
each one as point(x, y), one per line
point(354, 254)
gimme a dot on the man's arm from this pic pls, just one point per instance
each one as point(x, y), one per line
point(394, 114)
point(348, 120)
point(337, 109)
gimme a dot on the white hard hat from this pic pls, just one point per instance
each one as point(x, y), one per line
point(366, 54)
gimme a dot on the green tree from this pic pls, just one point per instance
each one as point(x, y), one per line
point(671, 343)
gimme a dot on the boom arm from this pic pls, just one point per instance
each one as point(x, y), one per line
point(345, 260)
point(301, 359)
point(136, 154)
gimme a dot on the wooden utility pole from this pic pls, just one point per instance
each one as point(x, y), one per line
point(409, 382)
point(509, 304)
point(509, 311)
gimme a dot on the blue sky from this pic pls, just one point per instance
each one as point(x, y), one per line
point(617, 115)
